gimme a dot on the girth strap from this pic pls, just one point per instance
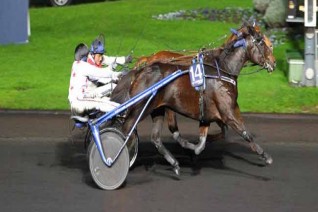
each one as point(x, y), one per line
point(201, 104)
point(197, 79)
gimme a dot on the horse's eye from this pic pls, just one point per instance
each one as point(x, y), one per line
point(260, 40)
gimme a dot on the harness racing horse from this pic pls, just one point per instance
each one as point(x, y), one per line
point(166, 56)
point(184, 59)
point(121, 92)
point(219, 97)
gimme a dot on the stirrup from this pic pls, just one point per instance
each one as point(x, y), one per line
point(80, 121)
point(83, 119)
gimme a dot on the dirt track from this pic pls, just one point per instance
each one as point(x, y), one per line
point(42, 170)
point(56, 125)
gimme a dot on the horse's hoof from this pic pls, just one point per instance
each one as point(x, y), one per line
point(198, 150)
point(176, 170)
point(267, 158)
point(269, 161)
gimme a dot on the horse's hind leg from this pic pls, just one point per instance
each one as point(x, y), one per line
point(173, 127)
point(237, 124)
point(204, 128)
point(158, 118)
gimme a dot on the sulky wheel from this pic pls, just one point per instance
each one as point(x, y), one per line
point(109, 178)
point(132, 143)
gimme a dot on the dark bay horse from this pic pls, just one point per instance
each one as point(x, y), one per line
point(185, 58)
point(166, 56)
point(219, 97)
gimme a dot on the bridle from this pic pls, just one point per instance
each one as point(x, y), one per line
point(257, 42)
point(257, 39)
point(261, 45)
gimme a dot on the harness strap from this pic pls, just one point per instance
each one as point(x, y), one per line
point(219, 76)
point(224, 78)
point(83, 119)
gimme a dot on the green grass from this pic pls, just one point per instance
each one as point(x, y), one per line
point(36, 75)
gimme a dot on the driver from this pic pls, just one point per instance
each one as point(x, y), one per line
point(84, 95)
point(98, 58)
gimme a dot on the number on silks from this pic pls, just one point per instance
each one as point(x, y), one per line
point(196, 72)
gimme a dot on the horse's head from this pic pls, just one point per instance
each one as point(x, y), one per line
point(259, 48)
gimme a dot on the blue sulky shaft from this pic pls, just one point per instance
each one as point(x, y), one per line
point(151, 91)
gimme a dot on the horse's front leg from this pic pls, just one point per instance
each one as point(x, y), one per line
point(223, 127)
point(204, 128)
point(158, 119)
point(235, 121)
point(257, 148)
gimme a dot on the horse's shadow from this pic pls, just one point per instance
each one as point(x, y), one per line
point(214, 156)
point(73, 155)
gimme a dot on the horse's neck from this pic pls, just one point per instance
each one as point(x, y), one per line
point(232, 62)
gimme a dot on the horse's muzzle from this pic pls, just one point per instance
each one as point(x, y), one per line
point(270, 65)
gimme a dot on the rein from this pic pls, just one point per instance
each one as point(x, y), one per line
point(224, 78)
point(253, 72)
point(139, 37)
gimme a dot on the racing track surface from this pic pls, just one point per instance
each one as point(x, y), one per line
point(42, 169)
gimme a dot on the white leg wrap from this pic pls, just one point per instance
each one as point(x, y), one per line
point(184, 143)
point(200, 146)
point(176, 135)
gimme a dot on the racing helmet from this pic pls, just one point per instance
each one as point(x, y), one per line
point(81, 52)
point(98, 46)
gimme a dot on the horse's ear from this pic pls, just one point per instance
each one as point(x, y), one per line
point(251, 30)
point(240, 43)
point(245, 29)
point(252, 21)
point(254, 25)
point(257, 29)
